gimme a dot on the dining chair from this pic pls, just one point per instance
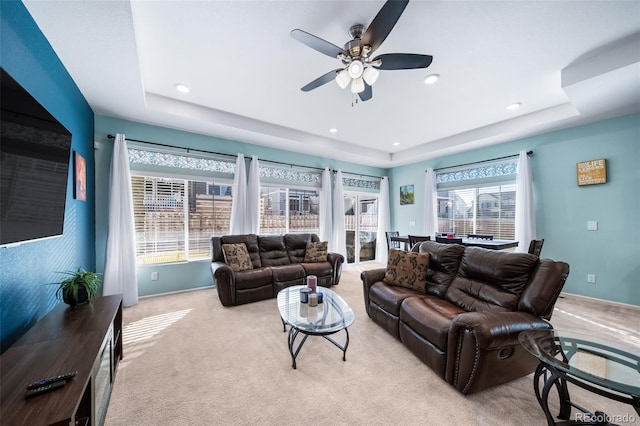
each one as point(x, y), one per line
point(480, 237)
point(449, 240)
point(393, 244)
point(535, 247)
point(414, 239)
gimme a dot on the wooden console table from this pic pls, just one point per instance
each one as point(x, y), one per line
point(86, 339)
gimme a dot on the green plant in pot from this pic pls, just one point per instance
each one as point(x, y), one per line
point(79, 287)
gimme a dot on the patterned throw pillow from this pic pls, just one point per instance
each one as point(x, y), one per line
point(316, 252)
point(237, 257)
point(407, 269)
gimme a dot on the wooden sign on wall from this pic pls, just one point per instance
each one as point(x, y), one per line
point(592, 172)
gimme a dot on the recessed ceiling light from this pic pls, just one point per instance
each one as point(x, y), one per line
point(513, 106)
point(333, 130)
point(396, 143)
point(182, 88)
point(430, 79)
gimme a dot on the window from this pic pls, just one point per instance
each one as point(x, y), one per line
point(488, 209)
point(175, 218)
point(284, 210)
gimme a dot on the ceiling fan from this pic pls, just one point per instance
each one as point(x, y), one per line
point(360, 69)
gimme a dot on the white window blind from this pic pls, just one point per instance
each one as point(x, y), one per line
point(284, 210)
point(175, 218)
point(483, 209)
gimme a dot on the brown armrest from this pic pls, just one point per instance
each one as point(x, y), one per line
point(493, 330)
point(369, 278)
point(336, 260)
point(483, 349)
point(225, 282)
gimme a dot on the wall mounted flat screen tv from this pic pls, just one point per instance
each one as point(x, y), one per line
point(34, 164)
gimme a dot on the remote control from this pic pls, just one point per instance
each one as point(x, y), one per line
point(49, 380)
point(45, 388)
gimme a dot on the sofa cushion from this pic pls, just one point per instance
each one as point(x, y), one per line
point(237, 257)
point(319, 269)
point(316, 252)
point(297, 245)
point(444, 260)
point(389, 297)
point(407, 269)
point(272, 251)
point(490, 280)
point(430, 317)
point(252, 278)
point(250, 240)
point(288, 273)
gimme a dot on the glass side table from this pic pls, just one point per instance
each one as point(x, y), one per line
point(607, 368)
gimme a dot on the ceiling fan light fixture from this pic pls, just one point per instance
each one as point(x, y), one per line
point(370, 75)
point(355, 69)
point(343, 79)
point(357, 85)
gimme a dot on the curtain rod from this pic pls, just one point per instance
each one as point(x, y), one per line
point(483, 161)
point(213, 152)
point(358, 174)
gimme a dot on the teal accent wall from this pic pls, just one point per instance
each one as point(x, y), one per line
point(25, 269)
point(183, 276)
point(612, 253)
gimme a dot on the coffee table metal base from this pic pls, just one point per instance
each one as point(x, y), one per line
point(552, 377)
point(293, 334)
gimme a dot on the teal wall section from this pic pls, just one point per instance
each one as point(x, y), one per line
point(25, 269)
point(182, 276)
point(563, 208)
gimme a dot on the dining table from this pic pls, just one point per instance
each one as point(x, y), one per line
point(469, 242)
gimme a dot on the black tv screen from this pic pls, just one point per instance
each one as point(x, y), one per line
point(34, 164)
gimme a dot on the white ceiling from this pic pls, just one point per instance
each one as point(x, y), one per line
point(568, 62)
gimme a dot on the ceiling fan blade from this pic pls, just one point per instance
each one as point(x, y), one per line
point(403, 61)
point(331, 75)
point(367, 94)
point(317, 43)
point(383, 23)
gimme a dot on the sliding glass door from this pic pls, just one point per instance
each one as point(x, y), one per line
point(361, 226)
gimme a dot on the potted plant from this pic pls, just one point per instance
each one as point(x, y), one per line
point(79, 287)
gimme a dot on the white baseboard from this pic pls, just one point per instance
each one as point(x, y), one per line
point(208, 287)
point(610, 302)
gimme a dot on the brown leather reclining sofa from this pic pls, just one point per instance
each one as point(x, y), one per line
point(465, 325)
point(277, 261)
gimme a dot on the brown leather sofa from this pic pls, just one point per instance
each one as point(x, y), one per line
point(278, 262)
point(466, 325)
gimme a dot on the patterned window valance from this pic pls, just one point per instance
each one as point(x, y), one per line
point(313, 178)
point(504, 168)
point(140, 156)
point(372, 185)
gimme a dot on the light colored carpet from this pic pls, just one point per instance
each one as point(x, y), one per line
point(190, 361)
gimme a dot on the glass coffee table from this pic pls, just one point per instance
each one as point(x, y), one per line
point(607, 368)
point(329, 317)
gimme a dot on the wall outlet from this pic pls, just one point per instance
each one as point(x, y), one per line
point(591, 278)
point(592, 225)
point(412, 223)
point(154, 276)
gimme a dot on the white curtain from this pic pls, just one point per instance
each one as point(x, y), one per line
point(326, 227)
point(430, 204)
point(253, 197)
point(239, 203)
point(384, 221)
point(339, 237)
point(120, 267)
point(525, 211)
